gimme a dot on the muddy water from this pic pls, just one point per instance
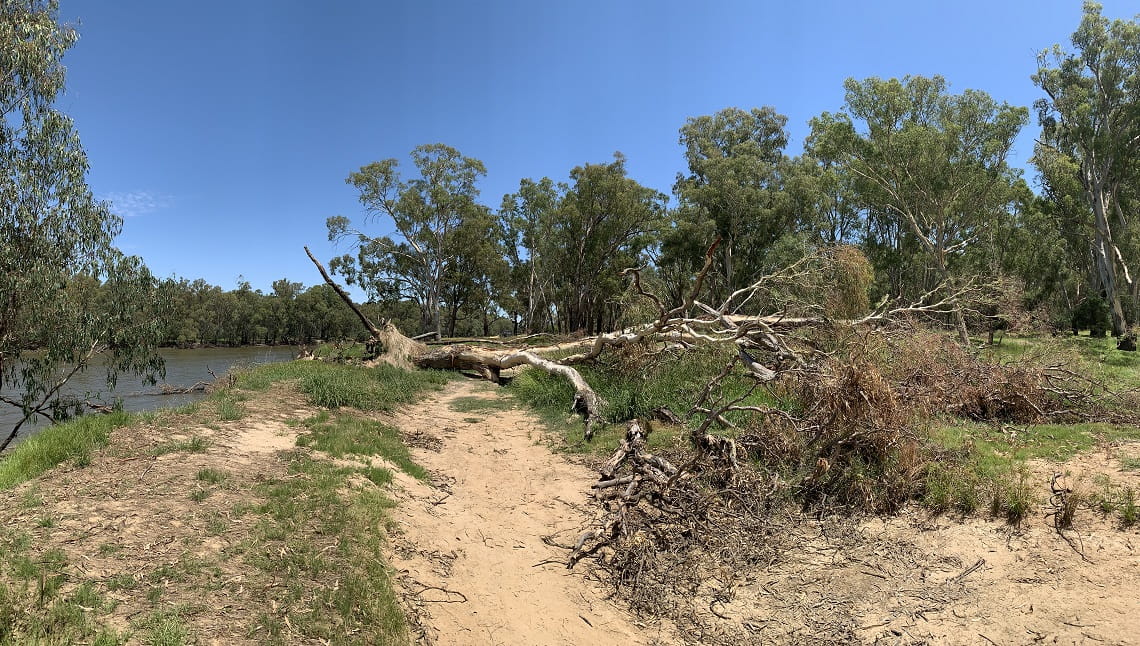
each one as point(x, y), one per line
point(183, 368)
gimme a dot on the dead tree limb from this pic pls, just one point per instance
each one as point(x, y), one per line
point(397, 348)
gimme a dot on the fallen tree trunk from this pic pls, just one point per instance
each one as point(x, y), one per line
point(490, 365)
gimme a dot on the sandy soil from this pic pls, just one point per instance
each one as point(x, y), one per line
point(471, 550)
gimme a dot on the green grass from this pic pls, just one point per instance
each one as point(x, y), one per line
point(229, 407)
point(71, 440)
point(165, 627)
point(632, 391)
point(196, 444)
point(33, 607)
point(313, 524)
point(346, 435)
point(988, 464)
point(340, 351)
point(212, 476)
point(332, 385)
point(1092, 356)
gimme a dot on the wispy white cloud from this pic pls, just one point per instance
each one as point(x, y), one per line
point(133, 204)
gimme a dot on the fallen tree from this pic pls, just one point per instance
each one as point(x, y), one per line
point(769, 336)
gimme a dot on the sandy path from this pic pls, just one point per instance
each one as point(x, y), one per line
point(479, 534)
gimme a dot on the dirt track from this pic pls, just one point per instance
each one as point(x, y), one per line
point(471, 551)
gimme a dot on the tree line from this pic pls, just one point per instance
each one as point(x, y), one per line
point(914, 177)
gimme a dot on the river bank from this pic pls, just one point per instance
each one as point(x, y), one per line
point(184, 368)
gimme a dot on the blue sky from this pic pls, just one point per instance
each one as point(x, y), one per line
point(223, 131)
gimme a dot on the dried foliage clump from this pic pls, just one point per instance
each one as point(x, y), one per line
point(862, 451)
point(933, 374)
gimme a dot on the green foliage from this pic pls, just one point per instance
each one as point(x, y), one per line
point(1090, 143)
point(1092, 315)
point(204, 314)
point(446, 248)
point(71, 440)
point(347, 435)
point(319, 502)
point(70, 297)
point(930, 169)
point(736, 170)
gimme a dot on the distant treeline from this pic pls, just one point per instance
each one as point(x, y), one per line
point(203, 314)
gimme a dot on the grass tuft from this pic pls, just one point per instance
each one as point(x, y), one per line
point(71, 440)
point(342, 435)
point(332, 385)
point(196, 444)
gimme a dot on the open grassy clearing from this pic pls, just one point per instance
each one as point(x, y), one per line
point(201, 529)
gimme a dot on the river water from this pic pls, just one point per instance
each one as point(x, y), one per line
point(184, 368)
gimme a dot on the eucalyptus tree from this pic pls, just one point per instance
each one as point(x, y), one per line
point(526, 218)
point(735, 159)
point(53, 230)
point(428, 213)
point(1090, 119)
point(604, 223)
point(931, 164)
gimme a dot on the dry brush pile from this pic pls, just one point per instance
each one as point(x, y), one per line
point(840, 430)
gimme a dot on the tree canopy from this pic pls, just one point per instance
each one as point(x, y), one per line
point(57, 236)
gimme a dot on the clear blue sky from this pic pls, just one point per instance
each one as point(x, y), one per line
point(223, 131)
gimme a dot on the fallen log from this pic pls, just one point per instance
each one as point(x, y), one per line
point(490, 364)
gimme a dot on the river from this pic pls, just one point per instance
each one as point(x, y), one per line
point(183, 368)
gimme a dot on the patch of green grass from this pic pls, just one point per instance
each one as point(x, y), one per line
point(198, 495)
point(1036, 441)
point(165, 628)
point(333, 385)
point(229, 407)
point(106, 549)
point(216, 525)
point(377, 475)
point(481, 404)
point(1130, 464)
point(380, 388)
point(990, 463)
point(633, 390)
point(122, 581)
point(71, 440)
point(344, 435)
point(33, 609)
point(31, 498)
point(349, 351)
point(313, 524)
point(212, 476)
point(187, 409)
point(196, 444)
point(1129, 511)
